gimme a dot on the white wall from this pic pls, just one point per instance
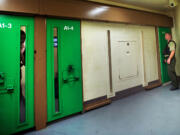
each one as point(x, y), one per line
point(96, 63)
point(150, 53)
point(95, 60)
point(176, 31)
point(175, 14)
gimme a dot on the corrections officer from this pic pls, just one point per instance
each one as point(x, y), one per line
point(169, 53)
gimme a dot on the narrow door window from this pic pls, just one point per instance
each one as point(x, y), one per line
point(22, 74)
point(56, 79)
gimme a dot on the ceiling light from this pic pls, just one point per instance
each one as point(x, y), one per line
point(98, 10)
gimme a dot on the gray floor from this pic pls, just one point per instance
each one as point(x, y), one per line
point(155, 112)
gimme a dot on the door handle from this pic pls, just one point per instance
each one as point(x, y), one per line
point(74, 79)
point(8, 89)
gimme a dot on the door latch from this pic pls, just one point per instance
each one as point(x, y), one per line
point(10, 89)
point(74, 79)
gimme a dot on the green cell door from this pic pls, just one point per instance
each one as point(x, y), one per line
point(64, 81)
point(16, 95)
point(162, 44)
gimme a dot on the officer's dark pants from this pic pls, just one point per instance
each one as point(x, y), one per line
point(172, 73)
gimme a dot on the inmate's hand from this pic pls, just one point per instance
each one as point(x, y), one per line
point(168, 61)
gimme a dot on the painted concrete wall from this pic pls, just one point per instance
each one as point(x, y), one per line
point(95, 60)
point(150, 53)
point(96, 63)
point(176, 30)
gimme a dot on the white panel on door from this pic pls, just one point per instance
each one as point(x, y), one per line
point(127, 59)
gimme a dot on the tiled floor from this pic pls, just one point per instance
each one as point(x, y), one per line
point(156, 112)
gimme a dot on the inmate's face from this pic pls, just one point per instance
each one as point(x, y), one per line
point(168, 37)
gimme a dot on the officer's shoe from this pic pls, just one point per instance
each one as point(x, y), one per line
point(174, 88)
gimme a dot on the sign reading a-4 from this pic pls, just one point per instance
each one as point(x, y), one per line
point(67, 28)
point(5, 25)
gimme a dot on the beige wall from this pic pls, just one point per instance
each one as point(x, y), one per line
point(176, 30)
point(96, 63)
point(150, 53)
point(95, 60)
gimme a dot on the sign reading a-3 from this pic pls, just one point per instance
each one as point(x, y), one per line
point(5, 25)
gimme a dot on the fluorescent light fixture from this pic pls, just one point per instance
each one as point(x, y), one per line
point(98, 10)
point(1, 2)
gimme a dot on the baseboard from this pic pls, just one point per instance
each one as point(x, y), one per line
point(153, 84)
point(97, 104)
point(101, 101)
point(127, 92)
point(95, 100)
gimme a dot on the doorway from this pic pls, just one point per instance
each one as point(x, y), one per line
point(162, 44)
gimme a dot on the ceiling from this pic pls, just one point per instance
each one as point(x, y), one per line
point(160, 5)
point(156, 5)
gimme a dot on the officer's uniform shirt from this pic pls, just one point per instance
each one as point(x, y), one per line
point(172, 46)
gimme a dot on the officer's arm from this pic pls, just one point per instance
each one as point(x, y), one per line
point(172, 49)
point(172, 54)
point(170, 57)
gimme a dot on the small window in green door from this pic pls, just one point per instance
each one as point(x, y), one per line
point(22, 74)
point(56, 80)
